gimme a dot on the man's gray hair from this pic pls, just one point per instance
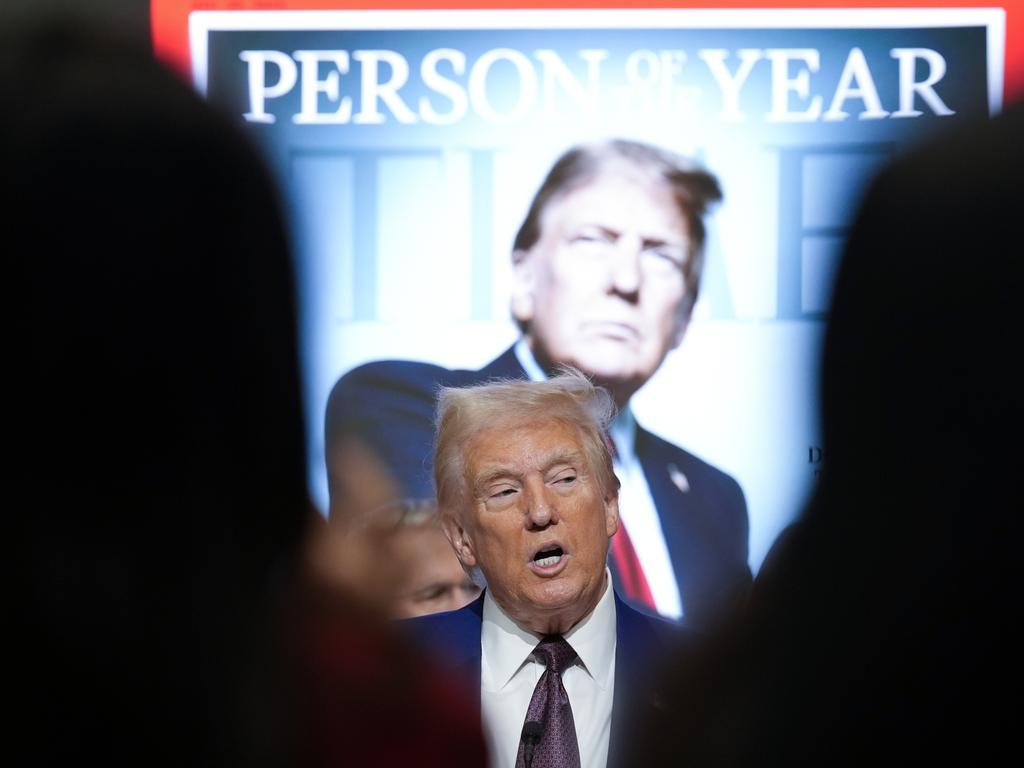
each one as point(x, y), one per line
point(569, 397)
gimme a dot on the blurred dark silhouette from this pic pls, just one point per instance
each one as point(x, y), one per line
point(881, 626)
point(158, 435)
point(165, 610)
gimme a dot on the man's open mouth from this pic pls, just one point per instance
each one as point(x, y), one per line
point(548, 557)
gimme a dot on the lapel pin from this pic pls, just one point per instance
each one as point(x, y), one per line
point(678, 478)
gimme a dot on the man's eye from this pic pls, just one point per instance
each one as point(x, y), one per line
point(670, 255)
point(566, 479)
point(502, 492)
point(590, 237)
point(430, 593)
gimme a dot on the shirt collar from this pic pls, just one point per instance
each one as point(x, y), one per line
point(507, 646)
point(526, 359)
point(593, 639)
point(623, 429)
point(623, 432)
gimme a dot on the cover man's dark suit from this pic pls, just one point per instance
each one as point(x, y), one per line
point(389, 406)
point(642, 643)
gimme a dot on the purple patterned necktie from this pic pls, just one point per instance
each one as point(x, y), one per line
point(549, 734)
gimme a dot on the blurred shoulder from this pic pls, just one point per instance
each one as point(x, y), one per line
point(450, 629)
point(390, 374)
point(410, 377)
point(646, 632)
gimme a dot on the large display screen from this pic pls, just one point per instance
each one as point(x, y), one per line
point(410, 143)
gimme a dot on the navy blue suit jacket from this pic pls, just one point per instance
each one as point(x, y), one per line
point(389, 406)
point(642, 643)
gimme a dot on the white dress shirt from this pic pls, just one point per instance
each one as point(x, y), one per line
point(509, 674)
point(637, 513)
point(639, 516)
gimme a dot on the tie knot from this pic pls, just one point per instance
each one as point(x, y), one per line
point(556, 653)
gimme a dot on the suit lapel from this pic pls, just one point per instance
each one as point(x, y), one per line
point(630, 652)
point(665, 479)
point(468, 639)
point(505, 366)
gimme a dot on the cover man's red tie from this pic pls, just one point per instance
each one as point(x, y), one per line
point(632, 580)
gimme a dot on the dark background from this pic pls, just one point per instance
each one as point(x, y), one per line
point(127, 17)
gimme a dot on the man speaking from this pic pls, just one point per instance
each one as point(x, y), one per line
point(529, 500)
point(606, 269)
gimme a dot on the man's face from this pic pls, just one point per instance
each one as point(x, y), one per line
point(536, 523)
point(433, 579)
point(603, 287)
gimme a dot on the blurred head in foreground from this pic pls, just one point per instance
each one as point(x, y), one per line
point(159, 439)
point(157, 424)
point(881, 629)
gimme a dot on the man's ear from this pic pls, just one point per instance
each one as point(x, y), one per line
point(460, 539)
point(522, 286)
point(611, 513)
